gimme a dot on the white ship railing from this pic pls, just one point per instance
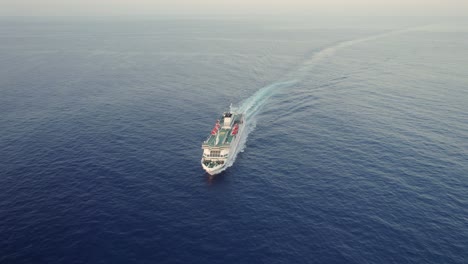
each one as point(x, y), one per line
point(215, 156)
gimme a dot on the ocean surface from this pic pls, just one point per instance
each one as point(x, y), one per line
point(357, 150)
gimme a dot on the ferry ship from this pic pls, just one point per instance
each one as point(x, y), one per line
point(220, 148)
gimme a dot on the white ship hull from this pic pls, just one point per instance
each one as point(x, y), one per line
point(216, 164)
point(228, 161)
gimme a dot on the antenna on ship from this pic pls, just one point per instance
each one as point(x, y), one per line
point(230, 108)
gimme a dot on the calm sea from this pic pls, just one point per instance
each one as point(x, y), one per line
point(357, 151)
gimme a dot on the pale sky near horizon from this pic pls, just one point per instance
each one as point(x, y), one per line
point(233, 7)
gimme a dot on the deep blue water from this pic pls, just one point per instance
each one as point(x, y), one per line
point(358, 151)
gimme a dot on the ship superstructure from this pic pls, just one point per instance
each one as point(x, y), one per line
point(220, 147)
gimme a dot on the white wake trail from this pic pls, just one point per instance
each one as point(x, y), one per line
point(251, 106)
point(301, 72)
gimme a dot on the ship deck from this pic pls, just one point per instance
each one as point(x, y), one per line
point(225, 137)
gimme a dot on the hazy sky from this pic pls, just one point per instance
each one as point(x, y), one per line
point(232, 7)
